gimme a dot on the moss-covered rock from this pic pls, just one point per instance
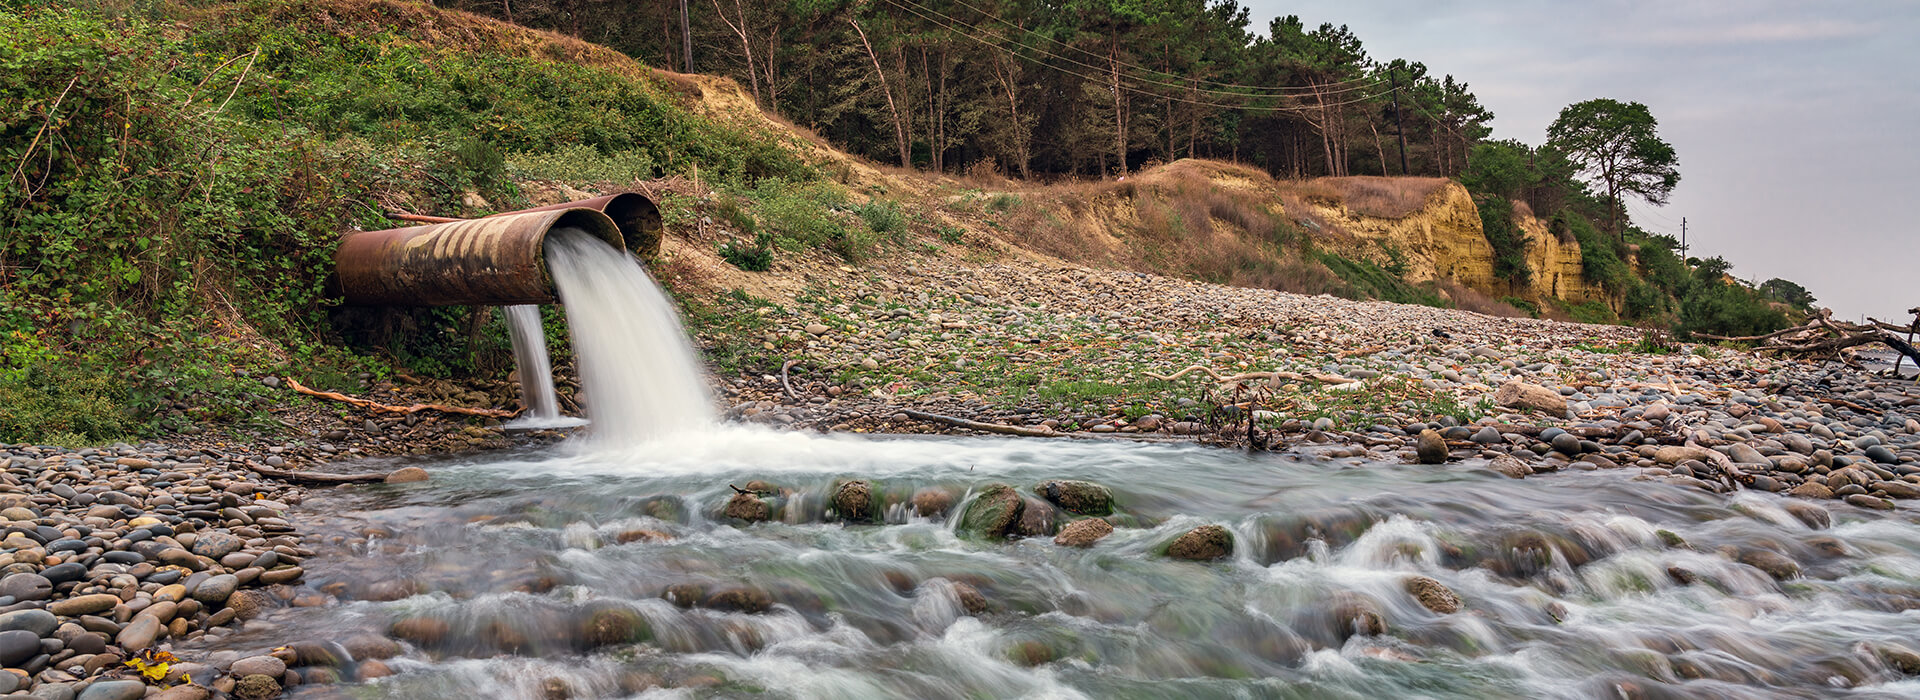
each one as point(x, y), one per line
point(1077, 497)
point(1204, 543)
point(993, 514)
point(854, 501)
point(607, 623)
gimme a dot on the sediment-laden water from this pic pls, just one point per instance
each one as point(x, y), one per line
point(568, 574)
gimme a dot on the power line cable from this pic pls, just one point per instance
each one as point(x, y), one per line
point(955, 24)
point(1101, 79)
point(997, 18)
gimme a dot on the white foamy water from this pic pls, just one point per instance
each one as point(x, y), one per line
point(643, 381)
point(535, 371)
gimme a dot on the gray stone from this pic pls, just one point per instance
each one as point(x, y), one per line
point(258, 665)
point(26, 587)
point(216, 589)
point(214, 545)
point(17, 646)
point(40, 622)
point(1488, 436)
point(114, 690)
point(1880, 453)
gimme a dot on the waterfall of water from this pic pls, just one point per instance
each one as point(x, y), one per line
point(536, 372)
point(643, 381)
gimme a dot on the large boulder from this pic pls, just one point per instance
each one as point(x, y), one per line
point(1204, 543)
point(993, 513)
point(1077, 497)
point(1519, 394)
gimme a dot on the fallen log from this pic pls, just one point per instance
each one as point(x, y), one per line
point(982, 427)
point(1824, 336)
point(316, 478)
point(1249, 376)
point(415, 408)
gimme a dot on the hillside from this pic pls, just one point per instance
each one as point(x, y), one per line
point(186, 169)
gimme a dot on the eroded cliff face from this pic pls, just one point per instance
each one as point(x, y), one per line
point(1442, 240)
point(1556, 265)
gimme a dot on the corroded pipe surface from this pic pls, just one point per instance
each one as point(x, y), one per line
point(636, 215)
point(497, 260)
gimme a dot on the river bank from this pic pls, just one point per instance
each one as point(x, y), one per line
point(171, 545)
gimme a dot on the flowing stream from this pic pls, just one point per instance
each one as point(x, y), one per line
point(606, 568)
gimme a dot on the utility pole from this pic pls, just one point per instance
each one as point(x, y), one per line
point(1683, 237)
point(686, 41)
point(1399, 121)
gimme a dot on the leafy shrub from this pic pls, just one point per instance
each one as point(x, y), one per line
point(580, 163)
point(1508, 241)
point(1531, 308)
point(803, 214)
point(883, 218)
point(1369, 281)
point(752, 258)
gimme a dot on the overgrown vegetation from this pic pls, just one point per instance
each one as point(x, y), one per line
point(179, 173)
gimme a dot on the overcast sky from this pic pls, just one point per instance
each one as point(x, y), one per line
point(1795, 122)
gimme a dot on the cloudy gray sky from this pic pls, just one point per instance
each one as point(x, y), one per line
point(1795, 122)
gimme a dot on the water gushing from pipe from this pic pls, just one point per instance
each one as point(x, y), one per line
point(535, 370)
point(644, 382)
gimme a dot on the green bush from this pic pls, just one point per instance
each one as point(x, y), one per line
point(811, 214)
point(1370, 281)
point(884, 218)
point(580, 163)
point(752, 258)
point(1508, 241)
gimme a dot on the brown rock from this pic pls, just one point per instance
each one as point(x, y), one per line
point(854, 501)
point(928, 503)
point(1811, 490)
point(1814, 516)
point(1037, 519)
point(1510, 466)
point(257, 687)
point(1519, 394)
point(406, 475)
point(1083, 533)
point(1775, 564)
point(970, 598)
point(748, 507)
point(747, 599)
point(1204, 543)
point(684, 594)
point(1433, 595)
point(1675, 454)
point(1430, 448)
point(425, 631)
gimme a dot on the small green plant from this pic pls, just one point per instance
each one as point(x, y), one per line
point(1002, 202)
point(730, 210)
point(883, 218)
point(952, 235)
point(752, 258)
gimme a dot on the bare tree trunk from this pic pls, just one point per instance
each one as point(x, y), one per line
point(899, 131)
point(746, 46)
point(1119, 104)
point(1022, 137)
point(1377, 148)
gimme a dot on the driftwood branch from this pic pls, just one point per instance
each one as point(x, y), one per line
point(784, 366)
point(1821, 335)
point(415, 408)
point(316, 478)
point(1249, 376)
point(982, 427)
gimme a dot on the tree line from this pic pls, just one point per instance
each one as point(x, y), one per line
point(1040, 88)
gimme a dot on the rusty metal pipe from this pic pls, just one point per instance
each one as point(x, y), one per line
point(637, 217)
point(498, 260)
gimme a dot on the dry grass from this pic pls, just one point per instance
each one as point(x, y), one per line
point(1469, 299)
point(1373, 196)
point(1521, 209)
point(1175, 220)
